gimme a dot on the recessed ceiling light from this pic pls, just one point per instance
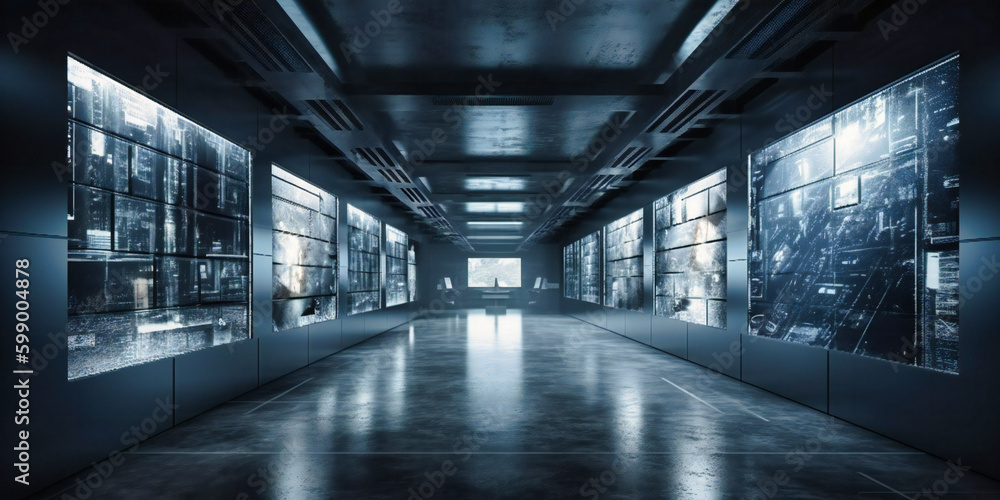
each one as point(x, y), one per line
point(498, 183)
point(506, 207)
point(496, 223)
point(492, 237)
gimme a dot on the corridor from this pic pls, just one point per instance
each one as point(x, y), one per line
point(467, 405)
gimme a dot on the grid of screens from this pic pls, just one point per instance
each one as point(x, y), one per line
point(364, 287)
point(854, 227)
point(396, 264)
point(158, 229)
point(690, 238)
point(590, 268)
point(571, 271)
point(411, 276)
point(623, 262)
point(304, 244)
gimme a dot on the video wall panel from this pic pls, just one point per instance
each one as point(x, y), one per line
point(690, 240)
point(304, 250)
point(396, 264)
point(590, 268)
point(571, 271)
point(854, 227)
point(623, 262)
point(158, 226)
point(411, 276)
point(364, 278)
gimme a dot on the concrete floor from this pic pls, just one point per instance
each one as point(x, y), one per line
point(477, 406)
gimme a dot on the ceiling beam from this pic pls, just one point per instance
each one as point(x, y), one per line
point(450, 89)
point(452, 168)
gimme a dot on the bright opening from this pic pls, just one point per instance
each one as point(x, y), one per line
point(487, 272)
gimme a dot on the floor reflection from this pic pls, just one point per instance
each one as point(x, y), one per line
point(515, 406)
point(494, 367)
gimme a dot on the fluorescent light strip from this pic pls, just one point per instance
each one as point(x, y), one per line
point(498, 183)
point(509, 207)
point(496, 223)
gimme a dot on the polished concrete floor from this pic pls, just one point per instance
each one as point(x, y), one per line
point(475, 406)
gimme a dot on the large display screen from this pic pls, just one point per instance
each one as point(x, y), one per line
point(690, 238)
point(489, 272)
point(364, 247)
point(571, 271)
point(158, 226)
point(854, 227)
point(411, 277)
point(591, 277)
point(396, 266)
point(623, 262)
point(304, 244)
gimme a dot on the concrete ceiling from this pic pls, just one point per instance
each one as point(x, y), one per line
point(524, 112)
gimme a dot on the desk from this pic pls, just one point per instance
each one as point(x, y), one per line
point(499, 298)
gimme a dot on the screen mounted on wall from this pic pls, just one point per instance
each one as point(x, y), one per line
point(158, 226)
point(364, 246)
point(571, 271)
point(854, 227)
point(591, 278)
point(411, 276)
point(690, 238)
point(397, 267)
point(304, 245)
point(489, 272)
point(623, 262)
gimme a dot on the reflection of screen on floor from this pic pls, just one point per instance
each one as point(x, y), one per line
point(488, 272)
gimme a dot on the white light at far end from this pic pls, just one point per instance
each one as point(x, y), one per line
point(492, 237)
point(496, 223)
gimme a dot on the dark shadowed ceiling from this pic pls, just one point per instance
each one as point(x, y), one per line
point(497, 122)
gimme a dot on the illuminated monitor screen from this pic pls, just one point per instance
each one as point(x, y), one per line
point(487, 272)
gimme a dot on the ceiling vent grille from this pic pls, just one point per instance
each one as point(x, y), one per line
point(672, 110)
point(416, 196)
point(629, 160)
point(246, 23)
point(448, 231)
point(493, 101)
point(346, 111)
point(376, 157)
point(631, 157)
point(336, 114)
point(395, 175)
point(593, 188)
point(432, 212)
point(605, 182)
point(558, 218)
point(389, 175)
point(781, 28)
point(685, 111)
